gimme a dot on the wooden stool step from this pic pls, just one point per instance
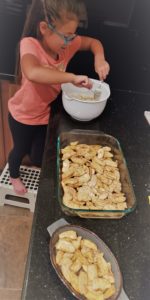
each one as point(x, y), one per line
point(30, 177)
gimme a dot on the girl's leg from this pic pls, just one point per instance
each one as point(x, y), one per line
point(22, 137)
point(38, 144)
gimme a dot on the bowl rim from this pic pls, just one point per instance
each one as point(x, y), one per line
point(58, 270)
point(106, 86)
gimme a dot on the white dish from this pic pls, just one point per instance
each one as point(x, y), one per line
point(84, 110)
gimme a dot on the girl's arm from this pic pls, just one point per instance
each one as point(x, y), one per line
point(37, 73)
point(95, 46)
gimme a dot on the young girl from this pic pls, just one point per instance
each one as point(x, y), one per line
point(49, 42)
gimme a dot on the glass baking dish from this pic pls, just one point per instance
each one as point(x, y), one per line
point(108, 256)
point(91, 137)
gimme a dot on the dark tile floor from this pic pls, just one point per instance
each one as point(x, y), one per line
point(15, 229)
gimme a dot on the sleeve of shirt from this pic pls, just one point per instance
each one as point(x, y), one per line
point(73, 47)
point(28, 46)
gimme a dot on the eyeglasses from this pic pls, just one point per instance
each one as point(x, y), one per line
point(66, 39)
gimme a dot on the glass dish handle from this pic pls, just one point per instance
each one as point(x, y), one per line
point(52, 228)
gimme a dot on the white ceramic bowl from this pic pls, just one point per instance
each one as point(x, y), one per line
point(82, 110)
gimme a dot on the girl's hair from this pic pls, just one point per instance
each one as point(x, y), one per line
point(53, 10)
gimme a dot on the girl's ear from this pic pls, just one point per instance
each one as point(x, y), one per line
point(43, 27)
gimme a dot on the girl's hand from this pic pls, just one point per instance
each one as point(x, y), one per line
point(102, 68)
point(82, 81)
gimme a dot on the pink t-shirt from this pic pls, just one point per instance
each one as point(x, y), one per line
point(31, 103)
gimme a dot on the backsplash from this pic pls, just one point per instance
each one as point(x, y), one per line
point(121, 25)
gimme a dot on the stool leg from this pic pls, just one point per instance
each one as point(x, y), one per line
point(32, 207)
point(32, 201)
point(2, 197)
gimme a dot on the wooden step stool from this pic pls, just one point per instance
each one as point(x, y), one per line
point(30, 177)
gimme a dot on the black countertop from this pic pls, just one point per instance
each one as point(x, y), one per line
point(128, 238)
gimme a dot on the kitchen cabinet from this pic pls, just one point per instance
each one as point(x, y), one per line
point(12, 17)
point(2, 152)
point(7, 89)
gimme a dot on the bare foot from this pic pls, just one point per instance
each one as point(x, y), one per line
point(18, 186)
